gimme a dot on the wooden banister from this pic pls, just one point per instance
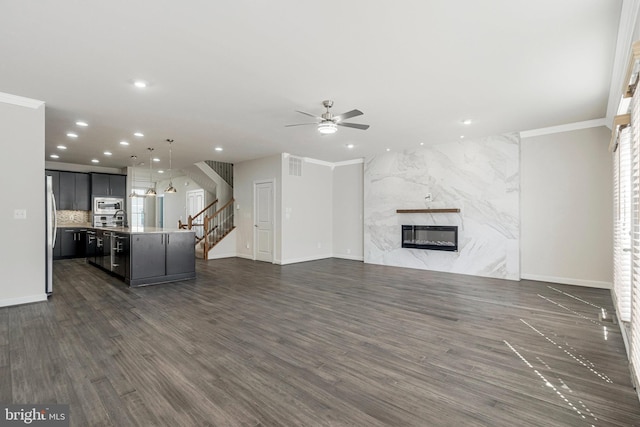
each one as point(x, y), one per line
point(211, 223)
point(203, 210)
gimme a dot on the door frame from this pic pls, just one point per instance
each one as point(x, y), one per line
point(271, 181)
point(186, 202)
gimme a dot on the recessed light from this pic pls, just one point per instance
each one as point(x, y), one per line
point(95, 161)
point(388, 149)
point(466, 122)
point(62, 147)
point(160, 171)
point(54, 156)
point(461, 136)
point(124, 143)
point(350, 146)
point(422, 143)
point(72, 135)
point(218, 148)
point(107, 153)
point(138, 134)
point(155, 159)
point(83, 124)
point(139, 83)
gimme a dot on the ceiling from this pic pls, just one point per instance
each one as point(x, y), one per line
point(231, 74)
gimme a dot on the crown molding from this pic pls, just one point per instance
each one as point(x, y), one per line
point(349, 162)
point(564, 128)
point(21, 101)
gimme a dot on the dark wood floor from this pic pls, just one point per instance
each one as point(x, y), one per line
point(329, 342)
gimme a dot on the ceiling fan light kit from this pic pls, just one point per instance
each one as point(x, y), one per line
point(327, 128)
point(328, 123)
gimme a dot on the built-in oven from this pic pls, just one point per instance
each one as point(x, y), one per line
point(107, 205)
point(108, 220)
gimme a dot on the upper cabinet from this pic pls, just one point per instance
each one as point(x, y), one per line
point(71, 190)
point(74, 191)
point(103, 184)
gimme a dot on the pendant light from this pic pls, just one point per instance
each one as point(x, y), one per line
point(170, 189)
point(151, 191)
point(133, 176)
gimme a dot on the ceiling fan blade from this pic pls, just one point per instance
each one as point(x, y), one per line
point(348, 115)
point(354, 125)
point(300, 124)
point(310, 115)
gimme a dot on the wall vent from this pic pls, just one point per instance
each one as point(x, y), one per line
point(295, 166)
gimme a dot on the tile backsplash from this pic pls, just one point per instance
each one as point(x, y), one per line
point(74, 217)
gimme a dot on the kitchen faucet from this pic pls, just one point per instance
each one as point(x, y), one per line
point(124, 221)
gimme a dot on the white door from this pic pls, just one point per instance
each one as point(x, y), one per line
point(195, 203)
point(263, 203)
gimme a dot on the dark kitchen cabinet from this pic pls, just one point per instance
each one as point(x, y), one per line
point(148, 256)
point(161, 257)
point(90, 245)
point(103, 184)
point(74, 191)
point(120, 254)
point(70, 243)
point(180, 253)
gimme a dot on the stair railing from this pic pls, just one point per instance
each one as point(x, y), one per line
point(217, 226)
point(191, 220)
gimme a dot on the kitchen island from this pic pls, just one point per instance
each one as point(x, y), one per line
point(143, 256)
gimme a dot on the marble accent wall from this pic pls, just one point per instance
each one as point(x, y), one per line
point(480, 177)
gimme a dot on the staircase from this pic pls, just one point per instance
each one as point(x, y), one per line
point(216, 226)
point(213, 223)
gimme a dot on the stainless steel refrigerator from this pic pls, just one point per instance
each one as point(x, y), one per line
point(52, 222)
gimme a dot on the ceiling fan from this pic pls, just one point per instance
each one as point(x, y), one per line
point(329, 123)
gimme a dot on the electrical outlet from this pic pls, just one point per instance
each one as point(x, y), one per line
point(247, 246)
point(348, 251)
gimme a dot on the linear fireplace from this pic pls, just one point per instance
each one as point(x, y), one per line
point(434, 237)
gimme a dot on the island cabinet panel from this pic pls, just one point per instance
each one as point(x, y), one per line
point(180, 253)
point(148, 256)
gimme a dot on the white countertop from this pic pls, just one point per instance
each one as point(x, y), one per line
point(128, 230)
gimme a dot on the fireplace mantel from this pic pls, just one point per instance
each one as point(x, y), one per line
point(449, 210)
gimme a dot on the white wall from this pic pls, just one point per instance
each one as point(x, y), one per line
point(348, 193)
point(244, 175)
point(23, 258)
point(175, 205)
point(307, 212)
point(479, 177)
point(567, 212)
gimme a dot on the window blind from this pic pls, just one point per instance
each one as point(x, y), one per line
point(634, 345)
point(622, 250)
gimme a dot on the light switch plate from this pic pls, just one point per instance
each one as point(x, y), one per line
point(20, 214)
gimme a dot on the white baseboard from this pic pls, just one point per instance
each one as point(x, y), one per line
point(244, 256)
point(350, 257)
point(219, 256)
point(568, 281)
point(304, 259)
point(23, 300)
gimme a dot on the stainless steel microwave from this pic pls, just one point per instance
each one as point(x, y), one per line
point(107, 205)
